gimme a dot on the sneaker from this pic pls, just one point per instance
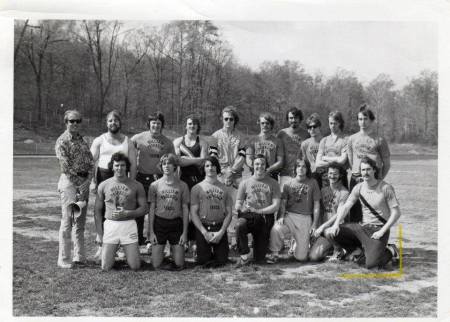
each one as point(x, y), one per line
point(78, 264)
point(292, 247)
point(395, 253)
point(355, 255)
point(243, 262)
point(338, 255)
point(64, 265)
point(120, 253)
point(272, 259)
point(145, 249)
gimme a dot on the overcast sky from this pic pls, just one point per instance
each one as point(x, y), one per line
point(400, 49)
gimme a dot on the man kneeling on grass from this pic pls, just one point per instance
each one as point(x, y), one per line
point(380, 211)
point(169, 213)
point(258, 198)
point(211, 204)
point(299, 213)
point(124, 200)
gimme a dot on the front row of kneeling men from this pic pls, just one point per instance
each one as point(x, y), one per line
point(258, 201)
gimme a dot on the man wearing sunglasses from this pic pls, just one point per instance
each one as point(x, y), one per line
point(77, 168)
point(231, 152)
point(310, 147)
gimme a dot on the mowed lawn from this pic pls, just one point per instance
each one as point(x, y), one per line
point(288, 289)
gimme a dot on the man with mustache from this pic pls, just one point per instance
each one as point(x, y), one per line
point(380, 210)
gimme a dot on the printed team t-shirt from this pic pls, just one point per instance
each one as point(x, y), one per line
point(149, 151)
point(332, 147)
point(271, 147)
point(212, 199)
point(120, 194)
point(292, 143)
point(381, 198)
point(300, 196)
point(258, 193)
point(362, 144)
point(310, 148)
point(168, 198)
point(228, 146)
point(332, 199)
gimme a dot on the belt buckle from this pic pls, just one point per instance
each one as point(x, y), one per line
point(147, 178)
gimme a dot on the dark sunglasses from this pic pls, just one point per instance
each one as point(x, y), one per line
point(228, 119)
point(312, 126)
point(74, 121)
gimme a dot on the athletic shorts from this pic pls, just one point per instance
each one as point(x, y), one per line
point(168, 230)
point(120, 232)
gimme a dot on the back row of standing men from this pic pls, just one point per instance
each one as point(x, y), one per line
point(290, 157)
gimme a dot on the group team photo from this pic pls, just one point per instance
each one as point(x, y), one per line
point(147, 160)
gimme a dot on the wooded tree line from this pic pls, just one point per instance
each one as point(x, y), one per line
point(186, 67)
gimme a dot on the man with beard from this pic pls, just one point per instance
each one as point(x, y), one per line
point(380, 209)
point(267, 144)
point(77, 167)
point(103, 147)
point(151, 145)
point(120, 200)
point(333, 196)
point(292, 138)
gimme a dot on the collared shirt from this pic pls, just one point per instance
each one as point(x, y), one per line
point(75, 158)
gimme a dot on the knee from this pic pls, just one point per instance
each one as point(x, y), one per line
point(106, 267)
point(135, 265)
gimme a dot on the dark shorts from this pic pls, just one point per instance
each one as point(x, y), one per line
point(103, 174)
point(168, 230)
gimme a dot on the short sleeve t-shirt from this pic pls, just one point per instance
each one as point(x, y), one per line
point(228, 146)
point(212, 199)
point(310, 148)
point(149, 151)
point(168, 198)
point(271, 147)
point(362, 144)
point(300, 195)
point(292, 143)
point(258, 193)
point(119, 195)
point(332, 199)
point(381, 198)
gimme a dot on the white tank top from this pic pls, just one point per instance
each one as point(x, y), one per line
point(107, 150)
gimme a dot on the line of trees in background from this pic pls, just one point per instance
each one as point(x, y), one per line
point(186, 67)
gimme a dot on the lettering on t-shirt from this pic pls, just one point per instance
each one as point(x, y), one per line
point(214, 193)
point(265, 146)
point(119, 194)
point(297, 192)
point(170, 197)
point(260, 191)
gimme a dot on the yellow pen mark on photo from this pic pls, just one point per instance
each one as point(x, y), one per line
point(398, 274)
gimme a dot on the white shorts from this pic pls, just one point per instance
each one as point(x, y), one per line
point(120, 232)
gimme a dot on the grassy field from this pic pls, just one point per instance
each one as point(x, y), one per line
point(287, 289)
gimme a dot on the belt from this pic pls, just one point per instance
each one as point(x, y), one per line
point(148, 176)
point(211, 225)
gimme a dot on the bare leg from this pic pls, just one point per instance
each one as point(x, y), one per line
point(108, 254)
point(132, 255)
point(157, 255)
point(178, 255)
